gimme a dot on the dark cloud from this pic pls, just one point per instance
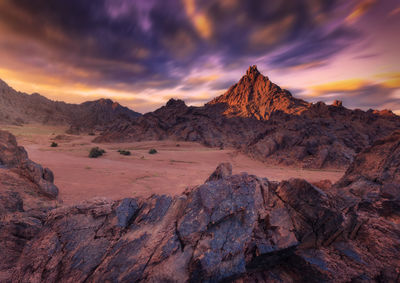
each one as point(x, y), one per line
point(316, 46)
point(136, 44)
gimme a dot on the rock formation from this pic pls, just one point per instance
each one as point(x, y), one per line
point(19, 108)
point(27, 192)
point(256, 96)
point(16, 159)
point(260, 119)
point(238, 228)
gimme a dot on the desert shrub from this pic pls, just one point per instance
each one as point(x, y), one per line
point(54, 144)
point(96, 152)
point(124, 152)
point(153, 151)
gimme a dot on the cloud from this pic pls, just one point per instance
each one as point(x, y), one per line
point(358, 93)
point(339, 86)
point(152, 46)
point(361, 9)
point(315, 47)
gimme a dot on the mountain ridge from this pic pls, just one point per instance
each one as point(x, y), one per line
point(19, 108)
point(291, 133)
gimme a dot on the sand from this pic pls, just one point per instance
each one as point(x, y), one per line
point(176, 166)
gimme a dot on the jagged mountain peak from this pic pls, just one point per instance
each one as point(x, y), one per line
point(256, 96)
point(253, 72)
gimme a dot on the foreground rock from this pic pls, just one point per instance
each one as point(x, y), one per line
point(27, 193)
point(16, 159)
point(232, 228)
point(266, 122)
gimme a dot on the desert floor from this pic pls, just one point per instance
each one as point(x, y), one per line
point(176, 166)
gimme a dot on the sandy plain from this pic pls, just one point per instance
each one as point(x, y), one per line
point(176, 166)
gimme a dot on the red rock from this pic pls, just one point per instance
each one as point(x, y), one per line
point(256, 96)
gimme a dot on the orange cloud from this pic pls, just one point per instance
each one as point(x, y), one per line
point(385, 80)
point(338, 86)
point(200, 21)
point(197, 80)
point(360, 10)
point(390, 80)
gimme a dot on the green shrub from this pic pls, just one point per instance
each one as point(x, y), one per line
point(153, 151)
point(124, 152)
point(96, 152)
point(54, 144)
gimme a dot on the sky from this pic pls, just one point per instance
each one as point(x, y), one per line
point(141, 53)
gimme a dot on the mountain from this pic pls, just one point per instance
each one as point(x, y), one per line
point(96, 115)
point(265, 122)
point(19, 108)
point(256, 96)
point(232, 228)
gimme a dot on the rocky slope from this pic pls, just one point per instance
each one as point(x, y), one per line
point(19, 108)
point(238, 228)
point(27, 193)
point(257, 117)
point(257, 97)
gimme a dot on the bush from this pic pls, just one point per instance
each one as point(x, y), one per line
point(54, 144)
point(91, 134)
point(153, 151)
point(96, 152)
point(124, 152)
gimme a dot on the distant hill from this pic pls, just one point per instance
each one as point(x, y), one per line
point(20, 108)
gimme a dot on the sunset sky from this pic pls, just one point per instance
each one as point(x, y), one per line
point(141, 53)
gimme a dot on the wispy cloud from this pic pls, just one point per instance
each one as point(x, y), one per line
point(187, 47)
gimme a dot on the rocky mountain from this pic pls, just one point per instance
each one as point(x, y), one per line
point(236, 228)
point(256, 96)
point(19, 108)
point(258, 118)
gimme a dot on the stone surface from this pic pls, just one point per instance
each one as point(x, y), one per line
point(224, 170)
point(27, 193)
point(15, 158)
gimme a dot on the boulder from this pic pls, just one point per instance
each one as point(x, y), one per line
point(16, 159)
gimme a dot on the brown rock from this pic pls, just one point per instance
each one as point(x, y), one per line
point(337, 103)
point(15, 158)
point(27, 192)
point(223, 171)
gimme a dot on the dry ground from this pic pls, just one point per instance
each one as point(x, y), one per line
point(115, 176)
